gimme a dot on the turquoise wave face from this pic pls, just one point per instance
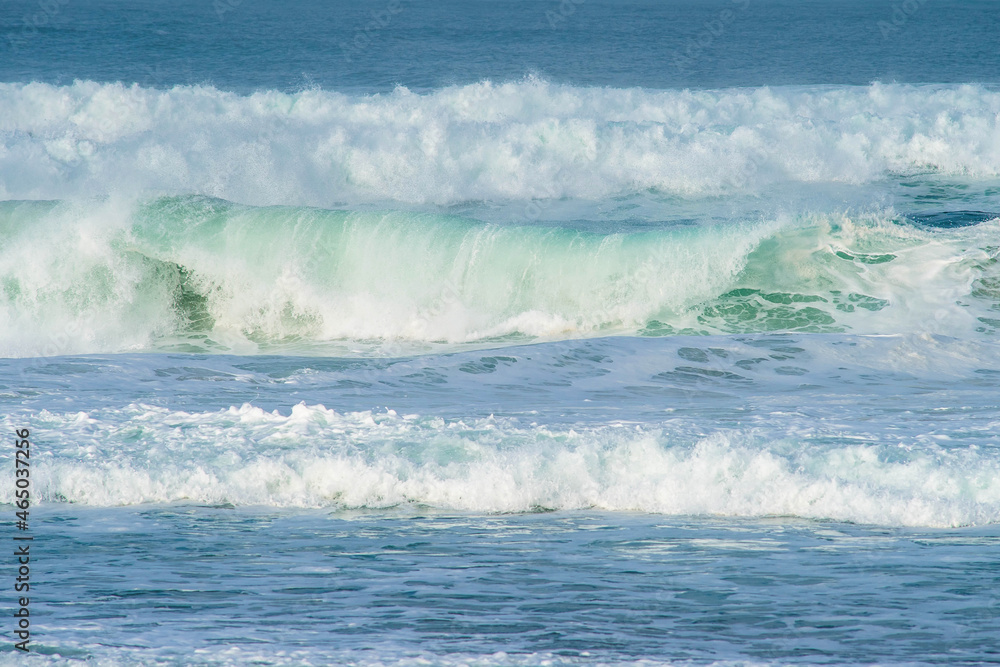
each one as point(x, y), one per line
point(197, 274)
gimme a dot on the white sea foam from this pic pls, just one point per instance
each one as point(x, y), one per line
point(235, 656)
point(484, 141)
point(316, 457)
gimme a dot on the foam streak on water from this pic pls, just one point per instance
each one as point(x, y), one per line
point(407, 588)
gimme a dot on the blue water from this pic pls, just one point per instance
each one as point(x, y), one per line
point(504, 332)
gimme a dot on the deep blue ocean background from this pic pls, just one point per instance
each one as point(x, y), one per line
point(246, 45)
point(504, 332)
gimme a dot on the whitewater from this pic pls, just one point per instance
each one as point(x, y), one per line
point(484, 141)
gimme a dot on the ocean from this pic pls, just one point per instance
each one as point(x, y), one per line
point(500, 332)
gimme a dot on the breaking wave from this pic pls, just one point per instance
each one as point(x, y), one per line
point(484, 141)
point(197, 274)
point(315, 457)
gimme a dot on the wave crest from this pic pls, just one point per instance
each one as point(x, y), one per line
point(485, 141)
point(209, 276)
